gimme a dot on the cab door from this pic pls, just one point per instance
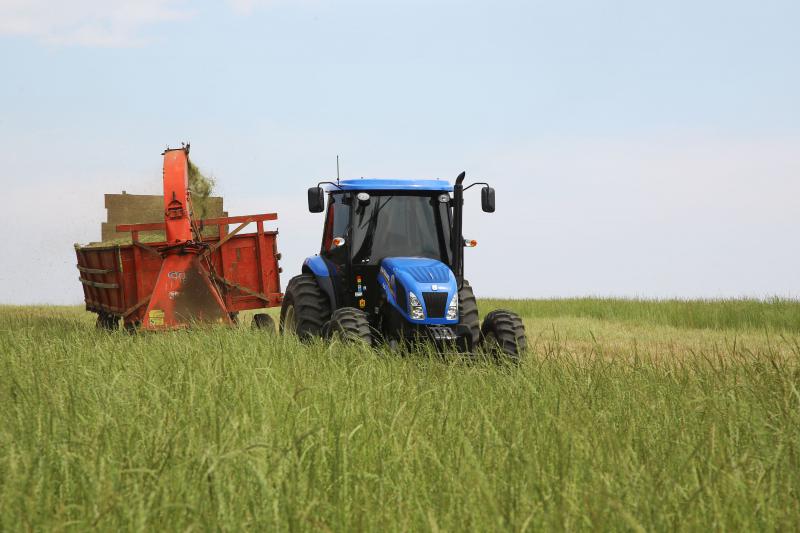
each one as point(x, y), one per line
point(335, 243)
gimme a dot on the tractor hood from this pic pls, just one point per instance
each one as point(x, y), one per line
point(431, 282)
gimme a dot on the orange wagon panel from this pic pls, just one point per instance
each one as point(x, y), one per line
point(119, 280)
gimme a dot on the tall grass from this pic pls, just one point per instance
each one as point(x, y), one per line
point(774, 313)
point(232, 429)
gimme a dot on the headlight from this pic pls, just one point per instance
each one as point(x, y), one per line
point(452, 309)
point(415, 308)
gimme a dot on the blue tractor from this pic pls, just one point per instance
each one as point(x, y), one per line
point(391, 270)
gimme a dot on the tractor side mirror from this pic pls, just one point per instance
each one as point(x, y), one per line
point(487, 199)
point(316, 200)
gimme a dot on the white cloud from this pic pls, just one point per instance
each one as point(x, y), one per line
point(247, 7)
point(87, 22)
point(244, 7)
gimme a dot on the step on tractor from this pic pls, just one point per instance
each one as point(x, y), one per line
point(391, 270)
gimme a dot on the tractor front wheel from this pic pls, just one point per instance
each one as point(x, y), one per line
point(503, 334)
point(350, 325)
point(305, 308)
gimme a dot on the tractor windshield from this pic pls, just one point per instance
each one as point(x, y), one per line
point(407, 225)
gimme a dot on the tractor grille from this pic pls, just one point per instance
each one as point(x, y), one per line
point(435, 303)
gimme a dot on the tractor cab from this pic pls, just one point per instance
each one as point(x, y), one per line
point(369, 229)
point(389, 266)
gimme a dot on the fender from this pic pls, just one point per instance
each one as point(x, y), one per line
point(316, 265)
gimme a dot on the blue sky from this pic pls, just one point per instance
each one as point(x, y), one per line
point(638, 148)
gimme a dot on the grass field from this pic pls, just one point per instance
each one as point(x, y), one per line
point(624, 415)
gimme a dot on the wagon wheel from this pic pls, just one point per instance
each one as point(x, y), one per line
point(265, 322)
point(107, 321)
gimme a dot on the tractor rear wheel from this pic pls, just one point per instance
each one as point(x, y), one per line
point(263, 321)
point(468, 313)
point(350, 325)
point(305, 308)
point(503, 333)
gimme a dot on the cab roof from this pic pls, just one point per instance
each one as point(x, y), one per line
point(386, 184)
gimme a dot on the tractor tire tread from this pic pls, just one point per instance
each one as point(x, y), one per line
point(468, 312)
point(312, 308)
point(351, 324)
point(509, 331)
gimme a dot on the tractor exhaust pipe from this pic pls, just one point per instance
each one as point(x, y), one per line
point(456, 236)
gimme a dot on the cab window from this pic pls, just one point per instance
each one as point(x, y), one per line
point(337, 220)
